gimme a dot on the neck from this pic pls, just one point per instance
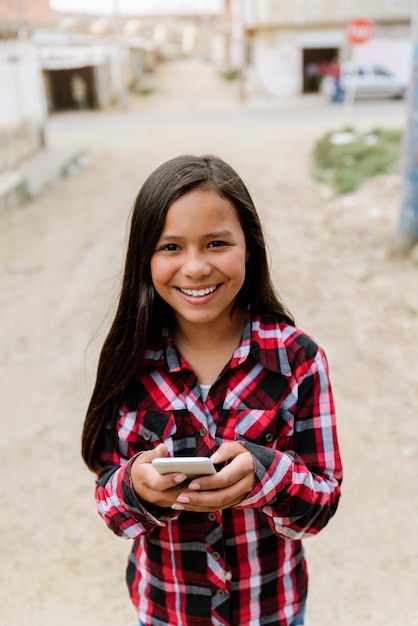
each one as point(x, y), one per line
point(199, 336)
point(208, 348)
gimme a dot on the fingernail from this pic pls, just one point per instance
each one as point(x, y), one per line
point(184, 499)
point(194, 486)
point(180, 478)
point(214, 458)
point(177, 507)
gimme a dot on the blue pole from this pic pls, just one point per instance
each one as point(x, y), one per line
point(407, 231)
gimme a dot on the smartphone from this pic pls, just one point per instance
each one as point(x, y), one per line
point(191, 466)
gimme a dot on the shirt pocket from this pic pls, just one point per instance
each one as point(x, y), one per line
point(273, 428)
point(145, 429)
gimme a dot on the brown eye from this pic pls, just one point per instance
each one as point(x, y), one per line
point(170, 247)
point(217, 244)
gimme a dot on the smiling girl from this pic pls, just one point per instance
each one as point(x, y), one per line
point(202, 359)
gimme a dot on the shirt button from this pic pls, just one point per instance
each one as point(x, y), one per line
point(216, 556)
point(269, 437)
point(221, 593)
point(147, 435)
point(202, 432)
point(211, 517)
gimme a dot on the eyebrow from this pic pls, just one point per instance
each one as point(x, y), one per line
point(216, 235)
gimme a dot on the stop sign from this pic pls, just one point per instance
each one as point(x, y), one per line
point(360, 30)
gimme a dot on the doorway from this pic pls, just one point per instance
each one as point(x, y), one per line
point(315, 65)
point(60, 92)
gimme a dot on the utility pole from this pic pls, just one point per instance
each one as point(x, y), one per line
point(243, 44)
point(228, 33)
point(122, 95)
point(406, 235)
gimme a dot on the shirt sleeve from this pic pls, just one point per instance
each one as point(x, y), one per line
point(298, 489)
point(117, 502)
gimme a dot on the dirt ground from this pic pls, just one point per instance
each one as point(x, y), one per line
point(60, 261)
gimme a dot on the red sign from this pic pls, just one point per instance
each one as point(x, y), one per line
point(360, 30)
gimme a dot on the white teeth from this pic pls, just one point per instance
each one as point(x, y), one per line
point(198, 292)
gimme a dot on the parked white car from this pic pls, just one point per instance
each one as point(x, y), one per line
point(366, 80)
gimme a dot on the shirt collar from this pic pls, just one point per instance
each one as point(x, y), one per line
point(262, 339)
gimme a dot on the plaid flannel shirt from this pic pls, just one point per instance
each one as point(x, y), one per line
point(242, 566)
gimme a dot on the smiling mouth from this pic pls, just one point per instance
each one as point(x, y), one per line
point(198, 293)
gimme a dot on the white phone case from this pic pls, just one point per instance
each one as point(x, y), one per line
point(190, 466)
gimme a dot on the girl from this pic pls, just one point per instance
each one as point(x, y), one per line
point(202, 359)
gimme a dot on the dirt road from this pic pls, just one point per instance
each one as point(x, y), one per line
point(60, 258)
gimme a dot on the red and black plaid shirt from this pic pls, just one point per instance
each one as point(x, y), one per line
point(242, 566)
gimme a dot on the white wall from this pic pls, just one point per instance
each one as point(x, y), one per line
point(395, 55)
point(22, 94)
point(275, 67)
point(23, 108)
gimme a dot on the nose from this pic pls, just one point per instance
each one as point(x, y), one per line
point(196, 265)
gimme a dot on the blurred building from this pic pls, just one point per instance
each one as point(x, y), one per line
point(283, 46)
point(22, 103)
point(99, 66)
point(116, 53)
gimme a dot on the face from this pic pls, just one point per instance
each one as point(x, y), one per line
point(198, 266)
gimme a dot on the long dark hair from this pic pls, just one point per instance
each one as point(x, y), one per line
point(141, 313)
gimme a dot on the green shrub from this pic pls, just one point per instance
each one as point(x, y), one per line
point(230, 74)
point(345, 159)
point(145, 90)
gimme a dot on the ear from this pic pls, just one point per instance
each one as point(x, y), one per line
point(247, 255)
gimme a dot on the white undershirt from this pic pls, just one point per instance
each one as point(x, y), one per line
point(205, 390)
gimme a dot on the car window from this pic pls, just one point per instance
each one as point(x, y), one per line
point(381, 72)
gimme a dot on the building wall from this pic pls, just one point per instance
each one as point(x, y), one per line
point(278, 66)
point(22, 103)
point(305, 12)
point(275, 67)
point(392, 48)
point(30, 12)
point(283, 38)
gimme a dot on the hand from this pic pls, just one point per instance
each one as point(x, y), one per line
point(224, 489)
point(151, 486)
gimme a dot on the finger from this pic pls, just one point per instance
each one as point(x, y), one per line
point(145, 476)
point(161, 451)
point(228, 450)
point(202, 501)
point(241, 466)
point(152, 487)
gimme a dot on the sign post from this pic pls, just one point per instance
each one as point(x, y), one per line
point(357, 32)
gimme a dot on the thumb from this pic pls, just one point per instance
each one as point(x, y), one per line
point(160, 451)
